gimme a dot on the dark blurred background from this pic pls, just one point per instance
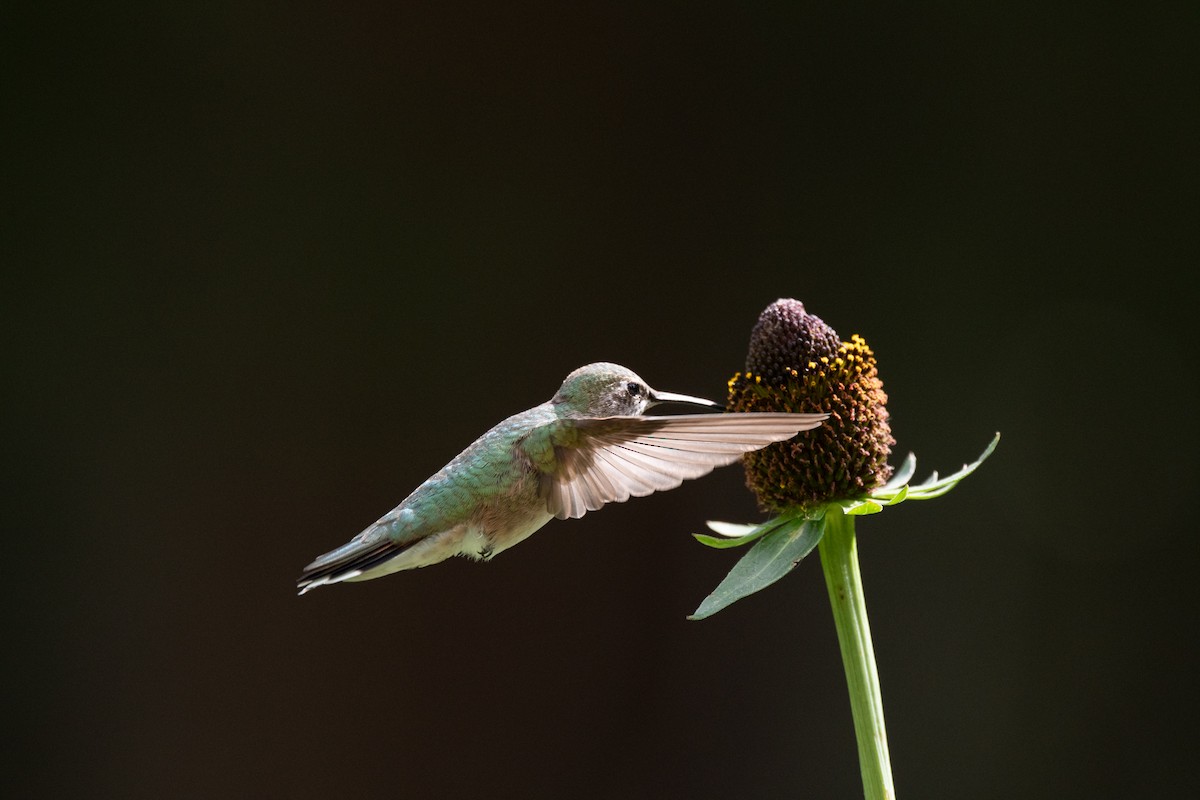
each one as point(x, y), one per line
point(268, 266)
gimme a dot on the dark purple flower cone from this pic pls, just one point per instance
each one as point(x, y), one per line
point(797, 363)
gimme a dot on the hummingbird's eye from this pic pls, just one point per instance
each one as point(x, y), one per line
point(633, 388)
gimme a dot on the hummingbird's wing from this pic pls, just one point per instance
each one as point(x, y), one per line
point(610, 459)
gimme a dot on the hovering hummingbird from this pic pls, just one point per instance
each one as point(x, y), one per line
point(589, 445)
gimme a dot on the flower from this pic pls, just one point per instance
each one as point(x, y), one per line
point(820, 483)
point(797, 363)
point(826, 477)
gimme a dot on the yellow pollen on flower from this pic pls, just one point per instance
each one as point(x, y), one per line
point(844, 457)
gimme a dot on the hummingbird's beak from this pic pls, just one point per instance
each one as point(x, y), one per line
point(657, 397)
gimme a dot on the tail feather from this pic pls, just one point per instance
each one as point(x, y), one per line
point(376, 552)
point(347, 562)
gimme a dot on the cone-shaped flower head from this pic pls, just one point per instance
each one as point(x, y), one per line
point(797, 363)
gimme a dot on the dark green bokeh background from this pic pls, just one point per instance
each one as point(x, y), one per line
point(268, 266)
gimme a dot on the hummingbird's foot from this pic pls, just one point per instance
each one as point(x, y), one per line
point(485, 553)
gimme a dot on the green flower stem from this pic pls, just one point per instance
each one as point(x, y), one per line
point(839, 559)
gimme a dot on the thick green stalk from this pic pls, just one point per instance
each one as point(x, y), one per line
point(839, 559)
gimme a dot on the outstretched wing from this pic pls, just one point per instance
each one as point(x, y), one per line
point(610, 459)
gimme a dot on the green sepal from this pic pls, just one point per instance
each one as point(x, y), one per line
point(782, 542)
point(934, 487)
point(772, 557)
point(875, 502)
point(897, 490)
point(899, 497)
point(859, 507)
point(725, 544)
point(731, 530)
point(736, 535)
point(903, 473)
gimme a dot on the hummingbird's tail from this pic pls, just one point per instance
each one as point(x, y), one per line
point(350, 561)
point(373, 553)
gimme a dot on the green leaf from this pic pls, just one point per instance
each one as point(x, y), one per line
point(724, 544)
point(730, 529)
point(739, 535)
point(769, 560)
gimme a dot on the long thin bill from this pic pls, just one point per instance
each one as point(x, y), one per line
point(657, 397)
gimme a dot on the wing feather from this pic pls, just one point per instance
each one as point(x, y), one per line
point(630, 479)
point(636, 478)
point(604, 482)
point(610, 459)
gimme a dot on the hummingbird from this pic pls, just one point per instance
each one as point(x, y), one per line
point(588, 445)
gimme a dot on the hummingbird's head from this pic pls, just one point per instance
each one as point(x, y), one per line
point(610, 390)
